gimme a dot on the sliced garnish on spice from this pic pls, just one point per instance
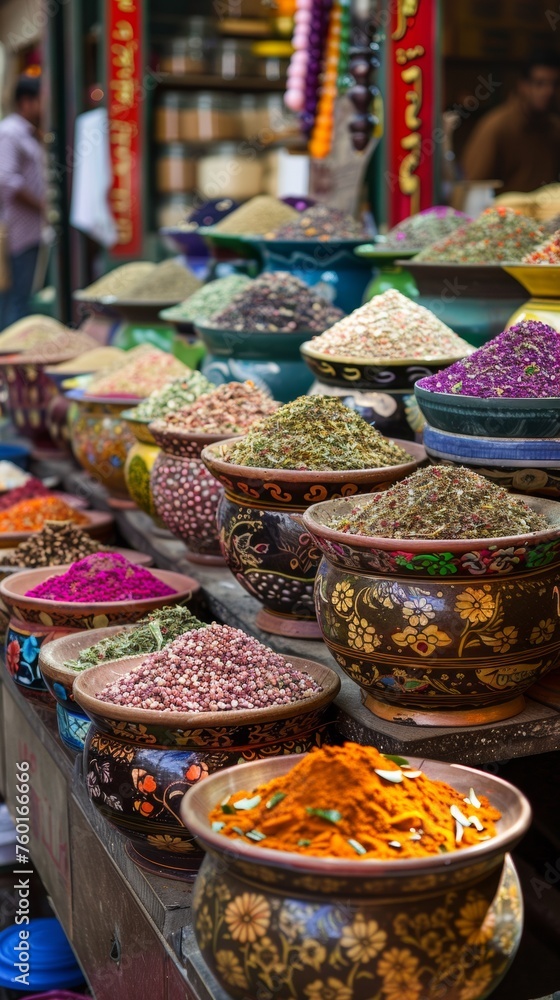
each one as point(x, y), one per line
point(358, 848)
point(331, 815)
point(394, 776)
point(474, 821)
point(303, 843)
point(412, 774)
point(396, 844)
point(276, 798)
point(244, 804)
point(217, 826)
point(401, 761)
point(443, 849)
point(474, 801)
point(225, 801)
point(237, 829)
point(459, 830)
point(459, 816)
point(416, 836)
point(227, 809)
point(256, 835)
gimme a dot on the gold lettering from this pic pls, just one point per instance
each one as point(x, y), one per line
point(405, 9)
point(126, 6)
point(407, 55)
point(413, 74)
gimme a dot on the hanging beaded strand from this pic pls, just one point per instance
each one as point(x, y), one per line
point(344, 79)
point(320, 15)
point(294, 98)
point(321, 137)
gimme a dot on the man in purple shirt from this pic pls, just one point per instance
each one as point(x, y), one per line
point(22, 195)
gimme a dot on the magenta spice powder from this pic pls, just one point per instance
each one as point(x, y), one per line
point(102, 578)
point(522, 362)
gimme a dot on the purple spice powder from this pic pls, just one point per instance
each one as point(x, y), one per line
point(520, 363)
point(102, 578)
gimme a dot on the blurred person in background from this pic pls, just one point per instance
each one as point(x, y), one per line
point(22, 196)
point(519, 141)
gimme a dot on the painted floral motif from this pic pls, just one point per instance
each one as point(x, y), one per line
point(230, 969)
point(502, 640)
point(363, 940)
point(332, 989)
point(343, 596)
point(475, 605)
point(425, 642)
point(312, 953)
point(475, 923)
point(418, 611)
point(12, 657)
point(248, 917)
point(399, 971)
point(542, 632)
point(165, 842)
point(362, 635)
point(477, 984)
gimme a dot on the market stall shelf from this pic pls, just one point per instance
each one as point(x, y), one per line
point(383, 901)
point(439, 632)
point(162, 754)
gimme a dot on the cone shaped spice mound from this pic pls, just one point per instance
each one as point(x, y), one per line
point(30, 331)
point(152, 633)
point(391, 327)
point(522, 362)
point(230, 408)
point(211, 298)
point(442, 502)
point(168, 281)
point(121, 281)
point(146, 371)
point(424, 228)
point(29, 490)
point(353, 802)
point(100, 578)
point(257, 216)
point(321, 223)
point(277, 303)
point(58, 543)
point(32, 515)
point(547, 253)
point(176, 394)
point(212, 669)
point(315, 433)
point(98, 359)
point(498, 234)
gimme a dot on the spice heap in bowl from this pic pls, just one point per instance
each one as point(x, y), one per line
point(423, 229)
point(308, 450)
point(257, 216)
point(147, 369)
point(208, 699)
point(119, 283)
point(12, 476)
point(509, 388)
point(405, 844)
point(31, 515)
point(387, 344)
point(29, 489)
point(320, 223)
point(185, 494)
point(498, 234)
point(276, 303)
point(207, 300)
point(443, 574)
point(57, 543)
point(61, 659)
point(547, 252)
point(171, 397)
point(100, 590)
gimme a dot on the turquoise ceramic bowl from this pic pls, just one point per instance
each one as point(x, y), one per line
point(500, 418)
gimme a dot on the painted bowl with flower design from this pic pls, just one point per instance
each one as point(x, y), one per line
point(157, 756)
point(35, 620)
point(320, 928)
point(370, 374)
point(264, 542)
point(101, 439)
point(446, 632)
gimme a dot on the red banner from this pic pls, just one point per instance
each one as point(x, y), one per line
point(413, 139)
point(124, 86)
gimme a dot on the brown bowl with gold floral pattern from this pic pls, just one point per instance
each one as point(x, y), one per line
point(439, 632)
point(159, 755)
point(363, 929)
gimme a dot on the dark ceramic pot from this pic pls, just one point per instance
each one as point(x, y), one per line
point(439, 632)
point(30, 391)
point(504, 417)
point(101, 440)
point(139, 763)
point(34, 621)
point(262, 537)
point(186, 495)
point(295, 926)
point(57, 423)
point(359, 373)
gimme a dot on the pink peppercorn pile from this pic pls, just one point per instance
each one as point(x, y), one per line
point(102, 578)
point(213, 669)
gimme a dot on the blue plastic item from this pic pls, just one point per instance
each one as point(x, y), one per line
point(16, 453)
point(49, 957)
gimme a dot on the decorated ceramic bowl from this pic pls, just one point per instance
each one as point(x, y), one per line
point(263, 539)
point(73, 723)
point(368, 373)
point(101, 439)
point(139, 464)
point(542, 283)
point(99, 525)
point(475, 300)
point(156, 756)
point(525, 465)
point(446, 632)
point(353, 930)
point(503, 417)
point(186, 495)
point(34, 620)
point(29, 391)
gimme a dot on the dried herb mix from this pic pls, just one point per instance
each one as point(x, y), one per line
point(121, 281)
point(424, 228)
point(315, 433)
point(168, 281)
point(498, 234)
point(210, 299)
point(391, 327)
point(172, 397)
point(547, 252)
point(276, 302)
point(322, 223)
point(256, 217)
point(214, 669)
point(442, 502)
point(152, 633)
point(230, 408)
point(522, 362)
point(145, 372)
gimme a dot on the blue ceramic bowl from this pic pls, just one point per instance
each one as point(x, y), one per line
point(16, 453)
point(508, 418)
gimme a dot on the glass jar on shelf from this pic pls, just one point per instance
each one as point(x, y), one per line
point(273, 59)
point(175, 168)
point(207, 116)
point(233, 58)
point(227, 172)
point(167, 116)
point(191, 52)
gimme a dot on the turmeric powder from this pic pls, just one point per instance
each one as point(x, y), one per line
point(32, 515)
point(354, 802)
